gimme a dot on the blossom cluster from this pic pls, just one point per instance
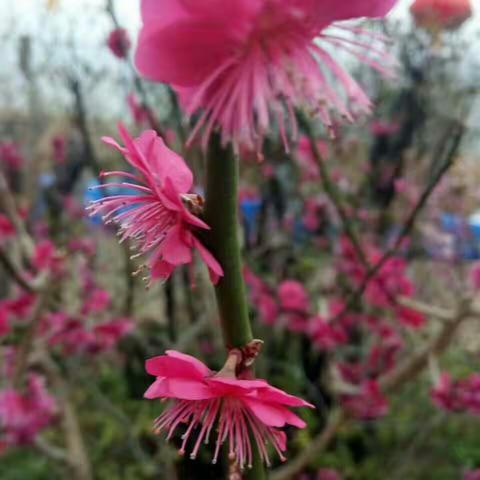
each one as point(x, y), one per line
point(458, 396)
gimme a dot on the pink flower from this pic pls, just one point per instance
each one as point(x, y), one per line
point(4, 323)
point(381, 128)
point(119, 43)
point(368, 404)
point(59, 146)
point(313, 209)
point(469, 392)
point(68, 332)
point(46, 257)
point(475, 276)
point(445, 396)
point(239, 411)
point(86, 246)
point(472, 474)
point(140, 114)
point(156, 214)
point(97, 301)
point(107, 334)
point(24, 414)
point(10, 155)
point(267, 308)
point(328, 474)
point(7, 230)
point(75, 336)
point(306, 160)
point(20, 306)
point(261, 296)
point(324, 335)
point(409, 317)
point(294, 303)
point(293, 296)
point(248, 63)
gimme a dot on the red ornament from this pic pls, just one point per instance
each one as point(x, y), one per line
point(441, 14)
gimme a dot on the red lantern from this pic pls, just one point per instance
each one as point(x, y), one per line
point(441, 14)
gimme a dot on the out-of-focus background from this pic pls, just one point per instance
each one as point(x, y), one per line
point(405, 181)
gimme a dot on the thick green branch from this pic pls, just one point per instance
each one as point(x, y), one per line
point(221, 215)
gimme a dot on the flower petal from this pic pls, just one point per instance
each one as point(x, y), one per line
point(216, 271)
point(273, 415)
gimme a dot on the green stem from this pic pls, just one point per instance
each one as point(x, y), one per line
point(221, 215)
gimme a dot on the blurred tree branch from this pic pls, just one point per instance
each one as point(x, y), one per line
point(390, 382)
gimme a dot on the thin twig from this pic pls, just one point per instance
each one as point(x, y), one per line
point(15, 272)
point(336, 200)
point(429, 310)
point(78, 458)
point(407, 227)
point(52, 452)
point(415, 363)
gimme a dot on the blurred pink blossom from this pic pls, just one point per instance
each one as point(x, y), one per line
point(368, 404)
point(472, 474)
point(140, 114)
point(24, 414)
point(59, 147)
point(119, 42)
point(7, 230)
point(475, 276)
point(10, 155)
point(4, 321)
point(328, 474)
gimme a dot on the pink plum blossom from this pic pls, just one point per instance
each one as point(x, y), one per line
point(308, 165)
point(156, 214)
point(238, 411)
point(293, 296)
point(107, 334)
point(97, 301)
point(59, 147)
point(118, 42)
point(324, 335)
point(4, 321)
point(328, 474)
point(475, 276)
point(20, 305)
point(368, 404)
point(294, 303)
point(140, 114)
point(86, 246)
point(7, 230)
point(444, 394)
point(381, 128)
point(472, 474)
point(75, 335)
point(10, 155)
point(249, 63)
point(46, 257)
point(24, 414)
point(267, 308)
